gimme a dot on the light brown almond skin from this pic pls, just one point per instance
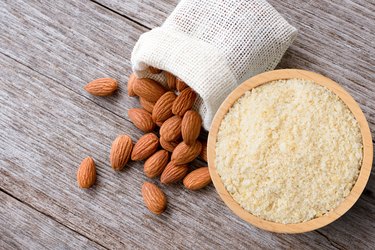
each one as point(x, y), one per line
point(86, 174)
point(197, 179)
point(131, 81)
point(184, 153)
point(102, 87)
point(148, 106)
point(173, 173)
point(180, 85)
point(168, 145)
point(191, 126)
point(121, 150)
point(159, 123)
point(163, 107)
point(154, 70)
point(171, 80)
point(141, 119)
point(145, 147)
point(148, 89)
point(203, 153)
point(171, 128)
point(154, 198)
point(184, 102)
point(155, 165)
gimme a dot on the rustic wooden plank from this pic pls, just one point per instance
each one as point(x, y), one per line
point(148, 13)
point(22, 227)
point(47, 129)
point(153, 13)
point(50, 124)
point(335, 39)
point(73, 42)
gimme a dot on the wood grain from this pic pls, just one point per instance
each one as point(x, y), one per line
point(73, 42)
point(48, 124)
point(364, 173)
point(21, 225)
point(146, 12)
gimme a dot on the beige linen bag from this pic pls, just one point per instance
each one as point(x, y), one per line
point(213, 46)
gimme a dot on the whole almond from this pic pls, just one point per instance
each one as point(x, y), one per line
point(154, 198)
point(197, 179)
point(171, 80)
point(121, 150)
point(184, 102)
point(131, 81)
point(184, 153)
point(86, 174)
point(154, 70)
point(145, 147)
point(180, 85)
point(155, 165)
point(173, 173)
point(171, 128)
point(148, 106)
point(148, 89)
point(141, 119)
point(203, 153)
point(163, 107)
point(101, 86)
point(168, 145)
point(191, 126)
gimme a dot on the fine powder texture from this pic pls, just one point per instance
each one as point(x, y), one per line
point(289, 151)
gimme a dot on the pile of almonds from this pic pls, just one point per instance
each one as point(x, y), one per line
point(167, 156)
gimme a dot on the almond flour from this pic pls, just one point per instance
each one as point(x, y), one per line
point(289, 151)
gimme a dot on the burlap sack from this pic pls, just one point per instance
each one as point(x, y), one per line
point(214, 45)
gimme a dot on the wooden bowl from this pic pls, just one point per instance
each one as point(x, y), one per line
point(326, 218)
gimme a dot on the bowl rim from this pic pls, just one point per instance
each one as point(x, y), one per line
point(358, 187)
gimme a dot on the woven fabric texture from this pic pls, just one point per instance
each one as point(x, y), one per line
point(214, 46)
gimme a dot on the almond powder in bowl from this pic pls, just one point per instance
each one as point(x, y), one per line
point(289, 151)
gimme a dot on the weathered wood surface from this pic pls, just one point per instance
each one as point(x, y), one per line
point(23, 227)
point(50, 49)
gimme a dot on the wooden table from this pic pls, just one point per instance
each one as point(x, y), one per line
point(50, 49)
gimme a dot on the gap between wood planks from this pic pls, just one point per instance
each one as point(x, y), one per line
point(52, 218)
point(67, 87)
point(122, 15)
